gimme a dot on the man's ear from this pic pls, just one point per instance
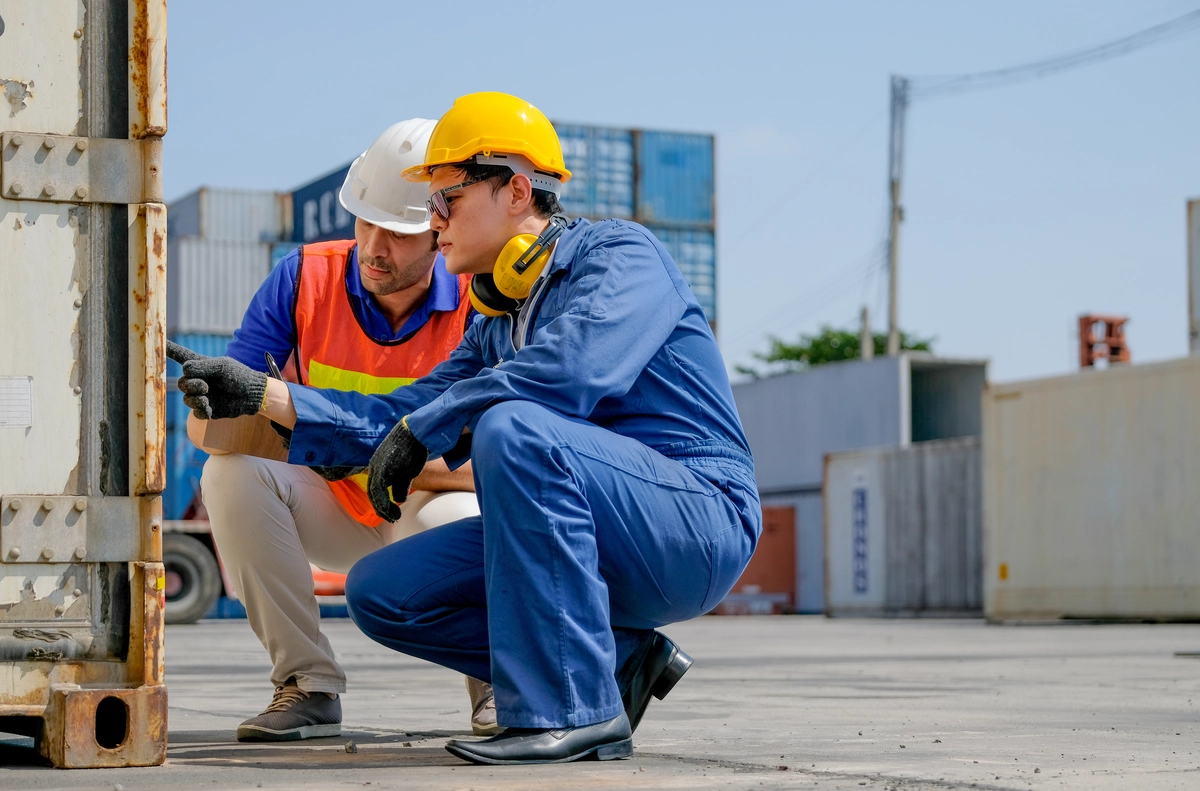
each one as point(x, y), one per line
point(521, 194)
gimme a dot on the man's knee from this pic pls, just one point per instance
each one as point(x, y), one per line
point(508, 428)
point(398, 586)
point(365, 579)
point(377, 590)
point(228, 468)
point(236, 479)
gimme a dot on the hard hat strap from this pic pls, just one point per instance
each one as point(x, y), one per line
point(542, 180)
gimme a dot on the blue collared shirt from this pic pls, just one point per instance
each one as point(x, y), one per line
point(616, 338)
point(268, 324)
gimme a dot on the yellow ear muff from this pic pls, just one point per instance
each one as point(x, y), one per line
point(513, 277)
point(486, 299)
point(517, 268)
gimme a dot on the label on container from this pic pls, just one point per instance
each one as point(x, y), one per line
point(16, 401)
point(860, 539)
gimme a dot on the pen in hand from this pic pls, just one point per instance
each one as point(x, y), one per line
point(272, 367)
point(284, 433)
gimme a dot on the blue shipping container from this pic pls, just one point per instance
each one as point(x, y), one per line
point(184, 460)
point(279, 250)
point(601, 164)
point(675, 179)
point(317, 214)
point(695, 251)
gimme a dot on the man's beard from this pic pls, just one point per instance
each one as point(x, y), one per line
point(398, 279)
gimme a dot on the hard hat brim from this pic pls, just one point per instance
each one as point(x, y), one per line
point(417, 173)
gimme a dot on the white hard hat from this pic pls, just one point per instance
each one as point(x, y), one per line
point(375, 191)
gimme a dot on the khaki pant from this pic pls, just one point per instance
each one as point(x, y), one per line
point(270, 520)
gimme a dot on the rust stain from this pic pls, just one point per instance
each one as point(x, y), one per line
point(141, 61)
point(160, 241)
point(154, 599)
point(71, 718)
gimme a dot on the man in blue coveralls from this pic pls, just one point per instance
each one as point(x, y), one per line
point(615, 482)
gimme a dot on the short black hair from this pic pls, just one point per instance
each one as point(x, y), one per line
point(545, 203)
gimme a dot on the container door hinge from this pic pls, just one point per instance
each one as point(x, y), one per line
point(68, 169)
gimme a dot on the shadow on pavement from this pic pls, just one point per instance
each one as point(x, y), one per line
point(374, 750)
point(19, 751)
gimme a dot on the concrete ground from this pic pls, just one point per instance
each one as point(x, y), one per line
point(772, 702)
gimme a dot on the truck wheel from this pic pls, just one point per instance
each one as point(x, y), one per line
point(192, 577)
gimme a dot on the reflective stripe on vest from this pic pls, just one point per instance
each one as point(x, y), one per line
point(333, 351)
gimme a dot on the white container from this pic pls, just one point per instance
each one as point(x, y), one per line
point(1091, 495)
point(903, 530)
point(232, 214)
point(793, 420)
point(211, 283)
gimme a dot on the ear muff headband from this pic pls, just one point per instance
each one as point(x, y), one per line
point(517, 268)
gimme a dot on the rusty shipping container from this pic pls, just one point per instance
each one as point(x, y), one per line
point(83, 273)
point(903, 530)
point(1090, 495)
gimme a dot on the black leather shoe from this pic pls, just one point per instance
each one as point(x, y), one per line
point(604, 741)
point(656, 674)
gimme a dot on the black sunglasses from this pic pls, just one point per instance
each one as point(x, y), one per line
point(437, 201)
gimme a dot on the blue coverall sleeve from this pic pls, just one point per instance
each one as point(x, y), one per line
point(267, 325)
point(336, 428)
point(621, 306)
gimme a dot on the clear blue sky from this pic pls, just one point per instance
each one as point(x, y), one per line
point(1025, 205)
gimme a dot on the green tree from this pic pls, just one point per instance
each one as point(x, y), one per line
point(828, 346)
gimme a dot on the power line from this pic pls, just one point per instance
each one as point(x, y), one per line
point(937, 85)
point(905, 89)
point(776, 206)
point(836, 284)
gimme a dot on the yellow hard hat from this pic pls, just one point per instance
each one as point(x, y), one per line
point(487, 123)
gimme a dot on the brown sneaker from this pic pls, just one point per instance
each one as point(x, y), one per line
point(294, 714)
point(483, 708)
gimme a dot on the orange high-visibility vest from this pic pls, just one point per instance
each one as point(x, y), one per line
point(333, 350)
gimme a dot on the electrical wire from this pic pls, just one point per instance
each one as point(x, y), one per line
point(836, 284)
point(799, 185)
point(924, 87)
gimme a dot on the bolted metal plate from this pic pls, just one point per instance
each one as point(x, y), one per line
point(114, 530)
point(38, 528)
point(68, 169)
point(49, 529)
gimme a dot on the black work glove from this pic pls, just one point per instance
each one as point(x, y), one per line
point(218, 387)
point(336, 473)
point(394, 464)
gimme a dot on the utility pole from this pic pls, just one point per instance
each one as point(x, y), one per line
point(866, 340)
point(895, 174)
